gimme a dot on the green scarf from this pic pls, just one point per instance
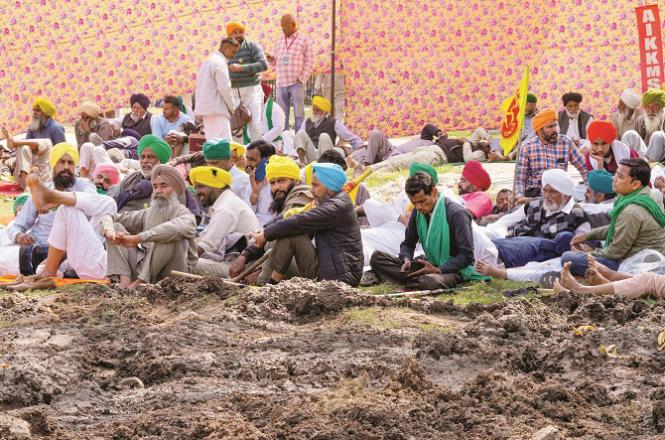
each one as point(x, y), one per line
point(639, 199)
point(245, 133)
point(435, 239)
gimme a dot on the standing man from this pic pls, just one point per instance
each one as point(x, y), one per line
point(293, 60)
point(244, 69)
point(92, 121)
point(547, 150)
point(214, 98)
point(574, 122)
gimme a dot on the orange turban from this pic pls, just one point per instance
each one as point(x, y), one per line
point(232, 26)
point(543, 118)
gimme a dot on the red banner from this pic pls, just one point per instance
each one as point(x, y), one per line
point(651, 46)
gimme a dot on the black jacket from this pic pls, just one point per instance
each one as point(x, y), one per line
point(336, 232)
point(461, 238)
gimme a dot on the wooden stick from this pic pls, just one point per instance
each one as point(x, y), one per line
point(191, 276)
point(253, 266)
point(422, 292)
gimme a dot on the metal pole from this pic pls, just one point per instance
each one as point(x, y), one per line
point(332, 60)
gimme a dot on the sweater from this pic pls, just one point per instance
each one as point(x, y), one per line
point(635, 230)
point(250, 56)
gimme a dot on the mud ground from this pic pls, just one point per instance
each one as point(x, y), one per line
point(320, 361)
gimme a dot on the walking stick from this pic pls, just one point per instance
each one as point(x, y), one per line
point(253, 266)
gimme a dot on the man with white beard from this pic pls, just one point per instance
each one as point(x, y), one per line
point(33, 151)
point(145, 246)
point(542, 228)
point(651, 121)
point(628, 112)
point(574, 122)
point(651, 125)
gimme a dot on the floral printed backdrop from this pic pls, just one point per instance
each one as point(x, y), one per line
point(406, 63)
point(73, 50)
point(453, 62)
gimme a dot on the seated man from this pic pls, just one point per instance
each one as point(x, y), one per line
point(379, 147)
point(543, 228)
point(230, 219)
point(217, 153)
point(169, 121)
point(31, 228)
point(573, 121)
point(287, 193)
point(92, 122)
point(105, 176)
point(636, 222)
point(505, 202)
point(273, 121)
point(144, 246)
point(75, 235)
point(545, 151)
point(444, 230)
point(338, 254)
point(257, 156)
point(628, 112)
point(472, 186)
point(651, 122)
point(605, 281)
point(33, 151)
point(606, 151)
point(320, 133)
point(599, 197)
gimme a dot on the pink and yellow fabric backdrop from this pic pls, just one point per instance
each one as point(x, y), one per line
point(73, 50)
point(406, 63)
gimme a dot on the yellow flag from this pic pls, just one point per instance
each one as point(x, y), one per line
point(512, 111)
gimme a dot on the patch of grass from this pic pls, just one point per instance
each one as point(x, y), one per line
point(370, 316)
point(380, 289)
point(380, 179)
point(394, 318)
point(486, 293)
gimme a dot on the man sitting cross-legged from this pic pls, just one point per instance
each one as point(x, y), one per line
point(144, 246)
point(444, 230)
point(75, 234)
point(636, 222)
point(338, 254)
point(230, 219)
point(605, 281)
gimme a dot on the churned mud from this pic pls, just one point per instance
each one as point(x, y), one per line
point(303, 360)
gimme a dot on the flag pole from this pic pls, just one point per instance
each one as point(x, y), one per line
point(332, 60)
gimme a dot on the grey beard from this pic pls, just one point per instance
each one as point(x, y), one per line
point(36, 124)
point(551, 207)
point(161, 210)
point(653, 123)
point(146, 173)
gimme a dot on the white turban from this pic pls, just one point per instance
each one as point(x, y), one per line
point(559, 180)
point(631, 98)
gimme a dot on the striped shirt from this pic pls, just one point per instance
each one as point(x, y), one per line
point(536, 157)
point(294, 59)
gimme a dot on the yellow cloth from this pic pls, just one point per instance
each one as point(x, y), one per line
point(513, 110)
point(210, 176)
point(59, 282)
point(232, 26)
point(321, 103)
point(238, 148)
point(60, 150)
point(45, 106)
point(282, 167)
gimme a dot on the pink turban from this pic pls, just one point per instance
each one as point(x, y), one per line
point(110, 170)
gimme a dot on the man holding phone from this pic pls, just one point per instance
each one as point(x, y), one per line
point(442, 227)
point(256, 156)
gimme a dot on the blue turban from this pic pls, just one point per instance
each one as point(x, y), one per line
point(331, 175)
point(600, 181)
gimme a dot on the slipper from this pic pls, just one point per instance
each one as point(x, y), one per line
point(548, 278)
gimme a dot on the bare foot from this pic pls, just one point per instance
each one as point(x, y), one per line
point(38, 191)
point(601, 269)
point(594, 278)
point(487, 269)
point(558, 288)
point(495, 157)
point(10, 141)
point(567, 279)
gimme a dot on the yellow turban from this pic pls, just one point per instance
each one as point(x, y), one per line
point(282, 167)
point(45, 106)
point(321, 103)
point(210, 176)
point(232, 26)
point(60, 150)
point(239, 148)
